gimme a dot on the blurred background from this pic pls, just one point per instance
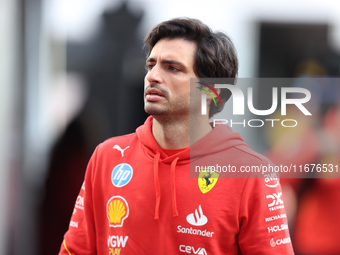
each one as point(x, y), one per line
point(71, 76)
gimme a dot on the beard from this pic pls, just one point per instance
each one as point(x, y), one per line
point(171, 111)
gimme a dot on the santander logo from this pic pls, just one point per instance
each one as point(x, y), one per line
point(197, 218)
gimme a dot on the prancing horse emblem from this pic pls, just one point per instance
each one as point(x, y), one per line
point(117, 147)
point(207, 180)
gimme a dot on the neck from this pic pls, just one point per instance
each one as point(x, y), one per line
point(180, 133)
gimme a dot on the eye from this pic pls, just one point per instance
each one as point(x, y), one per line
point(174, 69)
point(149, 67)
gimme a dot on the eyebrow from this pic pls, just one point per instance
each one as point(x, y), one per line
point(169, 61)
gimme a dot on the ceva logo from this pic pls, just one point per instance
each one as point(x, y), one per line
point(191, 250)
point(197, 218)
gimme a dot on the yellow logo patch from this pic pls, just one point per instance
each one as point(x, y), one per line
point(115, 251)
point(207, 180)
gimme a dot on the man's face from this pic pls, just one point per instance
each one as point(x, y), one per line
point(167, 82)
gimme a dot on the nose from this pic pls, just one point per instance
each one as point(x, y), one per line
point(154, 75)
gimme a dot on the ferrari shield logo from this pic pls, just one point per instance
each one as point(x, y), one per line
point(207, 180)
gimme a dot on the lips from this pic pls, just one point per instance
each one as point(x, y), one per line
point(153, 94)
point(152, 91)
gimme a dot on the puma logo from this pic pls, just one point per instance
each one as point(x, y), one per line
point(117, 147)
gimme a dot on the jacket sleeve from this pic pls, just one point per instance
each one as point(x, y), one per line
point(263, 219)
point(80, 239)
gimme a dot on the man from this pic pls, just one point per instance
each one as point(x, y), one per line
point(138, 197)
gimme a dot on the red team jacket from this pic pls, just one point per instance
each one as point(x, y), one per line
point(138, 200)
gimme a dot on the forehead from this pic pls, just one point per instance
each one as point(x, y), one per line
point(174, 49)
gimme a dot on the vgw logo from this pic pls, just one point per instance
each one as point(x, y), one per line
point(115, 242)
point(121, 175)
point(238, 99)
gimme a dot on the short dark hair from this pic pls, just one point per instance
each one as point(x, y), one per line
point(215, 56)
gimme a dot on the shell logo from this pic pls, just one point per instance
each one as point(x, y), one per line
point(117, 211)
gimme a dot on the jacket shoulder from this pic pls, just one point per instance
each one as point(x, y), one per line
point(119, 142)
point(252, 156)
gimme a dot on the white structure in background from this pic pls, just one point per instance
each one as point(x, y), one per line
point(8, 87)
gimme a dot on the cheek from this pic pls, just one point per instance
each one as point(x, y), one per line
point(182, 86)
point(180, 93)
